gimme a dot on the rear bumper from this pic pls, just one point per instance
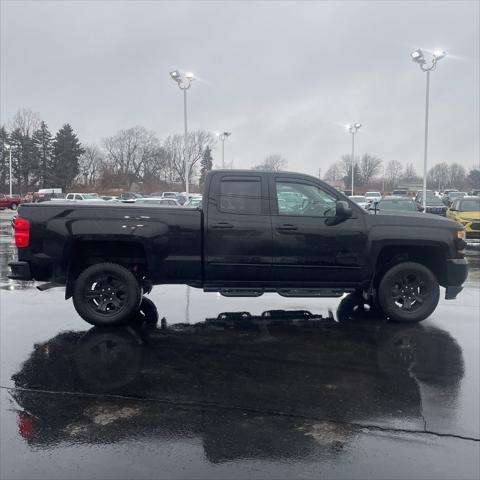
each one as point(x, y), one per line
point(457, 272)
point(20, 271)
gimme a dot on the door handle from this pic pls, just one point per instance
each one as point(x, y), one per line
point(221, 225)
point(287, 227)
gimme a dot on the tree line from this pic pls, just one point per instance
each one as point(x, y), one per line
point(134, 155)
point(370, 171)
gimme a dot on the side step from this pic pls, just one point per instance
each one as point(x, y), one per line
point(241, 292)
point(309, 292)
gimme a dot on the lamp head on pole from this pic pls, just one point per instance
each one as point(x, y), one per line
point(417, 56)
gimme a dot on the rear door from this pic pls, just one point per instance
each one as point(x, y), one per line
point(311, 246)
point(238, 245)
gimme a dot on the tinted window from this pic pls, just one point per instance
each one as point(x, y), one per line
point(470, 205)
point(402, 205)
point(303, 199)
point(241, 196)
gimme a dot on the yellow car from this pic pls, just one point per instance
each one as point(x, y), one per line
point(466, 210)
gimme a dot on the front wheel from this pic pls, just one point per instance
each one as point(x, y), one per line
point(408, 292)
point(106, 294)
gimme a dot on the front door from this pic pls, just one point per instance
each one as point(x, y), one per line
point(311, 246)
point(238, 247)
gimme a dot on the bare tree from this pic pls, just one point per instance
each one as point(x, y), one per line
point(26, 121)
point(127, 152)
point(410, 173)
point(90, 165)
point(273, 163)
point(393, 172)
point(439, 176)
point(457, 175)
point(174, 146)
point(333, 173)
point(369, 167)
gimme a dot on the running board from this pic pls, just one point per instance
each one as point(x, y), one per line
point(241, 292)
point(284, 292)
point(309, 292)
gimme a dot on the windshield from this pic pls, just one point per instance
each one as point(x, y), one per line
point(431, 200)
point(456, 194)
point(358, 199)
point(470, 205)
point(397, 204)
point(373, 194)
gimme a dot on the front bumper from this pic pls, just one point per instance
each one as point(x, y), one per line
point(20, 271)
point(457, 272)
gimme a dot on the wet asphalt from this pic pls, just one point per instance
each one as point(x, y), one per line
point(218, 390)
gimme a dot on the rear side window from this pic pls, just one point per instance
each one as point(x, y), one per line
point(241, 196)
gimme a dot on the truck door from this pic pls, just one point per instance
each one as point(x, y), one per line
point(238, 231)
point(309, 246)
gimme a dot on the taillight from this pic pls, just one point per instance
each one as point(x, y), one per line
point(22, 232)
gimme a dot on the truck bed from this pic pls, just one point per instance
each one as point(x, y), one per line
point(166, 241)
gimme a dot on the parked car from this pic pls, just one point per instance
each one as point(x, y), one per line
point(401, 193)
point(170, 195)
point(392, 203)
point(159, 202)
point(433, 204)
point(12, 202)
point(449, 197)
point(360, 200)
point(466, 211)
point(373, 196)
point(242, 243)
point(194, 202)
point(129, 197)
point(85, 197)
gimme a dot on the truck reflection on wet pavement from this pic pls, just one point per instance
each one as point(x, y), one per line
point(242, 395)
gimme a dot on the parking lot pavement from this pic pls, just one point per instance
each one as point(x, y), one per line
point(237, 396)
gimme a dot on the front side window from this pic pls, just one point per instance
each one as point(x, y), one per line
point(241, 196)
point(302, 199)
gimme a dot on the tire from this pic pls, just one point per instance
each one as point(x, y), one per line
point(352, 308)
point(108, 359)
point(147, 312)
point(408, 292)
point(106, 294)
point(13, 206)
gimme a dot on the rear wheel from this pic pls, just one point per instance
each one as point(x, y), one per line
point(106, 294)
point(408, 292)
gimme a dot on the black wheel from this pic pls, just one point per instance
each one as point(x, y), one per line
point(106, 294)
point(13, 206)
point(354, 307)
point(147, 312)
point(408, 292)
point(108, 359)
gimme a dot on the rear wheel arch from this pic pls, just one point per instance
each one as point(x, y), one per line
point(84, 253)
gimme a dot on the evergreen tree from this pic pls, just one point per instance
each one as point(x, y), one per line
point(24, 160)
point(205, 164)
point(66, 153)
point(42, 140)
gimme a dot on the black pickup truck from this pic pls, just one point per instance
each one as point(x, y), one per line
point(257, 232)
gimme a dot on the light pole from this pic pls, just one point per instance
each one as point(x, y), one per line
point(223, 136)
point(417, 57)
point(184, 81)
point(353, 128)
point(9, 148)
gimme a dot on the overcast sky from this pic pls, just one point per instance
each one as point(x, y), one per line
point(283, 77)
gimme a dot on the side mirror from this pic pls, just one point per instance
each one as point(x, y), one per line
point(420, 208)
point(343, 210)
